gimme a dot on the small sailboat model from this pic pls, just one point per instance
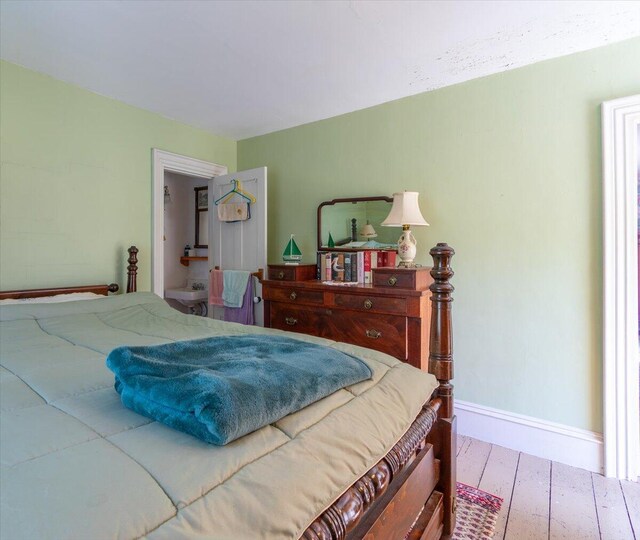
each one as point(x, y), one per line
point(292, 253)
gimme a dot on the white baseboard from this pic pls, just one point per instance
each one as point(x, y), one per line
point(557, 442)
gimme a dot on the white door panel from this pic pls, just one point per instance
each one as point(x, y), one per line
point(241, 245)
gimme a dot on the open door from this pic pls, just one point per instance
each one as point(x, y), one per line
point(241, 245)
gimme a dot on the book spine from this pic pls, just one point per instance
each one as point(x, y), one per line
point(360, 274)
point(327, 266)
point(318, 265)
point(347, 267)
point(367, 267)
point(339, 267)
point(374, 259)
point(391, 259)
point(382, 259)
point(354, 266)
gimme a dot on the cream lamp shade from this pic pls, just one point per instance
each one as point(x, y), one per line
point(405, 212)
point(368, 231)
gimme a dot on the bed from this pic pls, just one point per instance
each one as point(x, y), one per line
point(374, 460)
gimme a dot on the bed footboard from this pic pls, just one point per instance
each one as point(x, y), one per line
point(410, 493)
point(361, 509)
point(443, 436)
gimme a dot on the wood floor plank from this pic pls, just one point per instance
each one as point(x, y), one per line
point(573, 510)
point(462, 441)
point(549, 501)
point(612, 510)
point(631, 492)
point(498, 478)
point(529, 512)
point(471, 461)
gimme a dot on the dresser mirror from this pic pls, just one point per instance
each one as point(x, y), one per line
point(354, 224)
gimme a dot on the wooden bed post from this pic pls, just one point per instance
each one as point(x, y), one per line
point(132, 269)
point(440, 349)
point(390, 497)
point(441, 365)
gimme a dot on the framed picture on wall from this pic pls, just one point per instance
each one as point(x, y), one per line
point(202, 217)
point(202, 200)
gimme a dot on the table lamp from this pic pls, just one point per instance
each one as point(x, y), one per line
point(404, 213)
point(368, 231)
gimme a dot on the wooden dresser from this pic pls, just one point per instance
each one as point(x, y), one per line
point(391, 315)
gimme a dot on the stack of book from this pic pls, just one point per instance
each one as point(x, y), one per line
point(352, 267)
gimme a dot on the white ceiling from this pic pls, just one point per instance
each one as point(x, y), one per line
point(241, 69)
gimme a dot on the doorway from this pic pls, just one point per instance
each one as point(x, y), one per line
point(186, 249)
point(167, 162)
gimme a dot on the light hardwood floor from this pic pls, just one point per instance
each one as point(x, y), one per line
point(548, 500)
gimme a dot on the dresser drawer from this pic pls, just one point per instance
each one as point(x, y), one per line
point(294, 295)
point(384, 333)
point(417, 279)
point(372, 303)
point(295, 319)
point(291, 272)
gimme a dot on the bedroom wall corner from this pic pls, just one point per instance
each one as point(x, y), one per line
point(75, 181)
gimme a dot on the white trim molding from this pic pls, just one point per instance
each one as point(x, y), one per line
point(548, 440)
point(620, 121)
point(168, 162)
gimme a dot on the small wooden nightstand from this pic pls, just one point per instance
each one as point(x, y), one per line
point(392, 317)
point(292, 272)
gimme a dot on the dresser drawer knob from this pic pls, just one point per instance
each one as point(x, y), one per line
point(293, 295)
point(368, 304)
point(393, 280)
point(281, 274)
point(291, 321)
point(373, 334)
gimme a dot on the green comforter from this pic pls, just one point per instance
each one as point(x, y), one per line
point(74, 463)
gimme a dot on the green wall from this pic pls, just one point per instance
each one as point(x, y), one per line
point(75, 181)
point(508, 168)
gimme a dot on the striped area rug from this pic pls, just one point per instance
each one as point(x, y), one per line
point(477, 513)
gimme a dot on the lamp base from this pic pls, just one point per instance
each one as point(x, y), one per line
point(407, 248)
point(407, 264)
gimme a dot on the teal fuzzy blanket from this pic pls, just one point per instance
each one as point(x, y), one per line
point(221, 388)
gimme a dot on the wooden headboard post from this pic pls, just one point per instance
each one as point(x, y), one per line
point(132, 269)
point(440, 341)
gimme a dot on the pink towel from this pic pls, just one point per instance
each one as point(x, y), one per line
point(216, 284)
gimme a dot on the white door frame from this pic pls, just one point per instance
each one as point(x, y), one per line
point(169, 162)
point(620, 120)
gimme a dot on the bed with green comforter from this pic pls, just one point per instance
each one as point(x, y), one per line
point(75, 463)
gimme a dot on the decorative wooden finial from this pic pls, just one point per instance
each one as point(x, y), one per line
point(440, 341)
point(132, 269)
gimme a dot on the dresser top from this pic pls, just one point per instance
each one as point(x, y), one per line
point(360, 288)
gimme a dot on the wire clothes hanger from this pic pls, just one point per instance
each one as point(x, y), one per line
point(245, 193)
point(236, 190)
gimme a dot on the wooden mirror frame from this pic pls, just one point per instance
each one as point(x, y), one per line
point(350, 200)
point(198, 211)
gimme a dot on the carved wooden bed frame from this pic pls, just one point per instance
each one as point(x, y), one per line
point(411, 492)
point(132, 273)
